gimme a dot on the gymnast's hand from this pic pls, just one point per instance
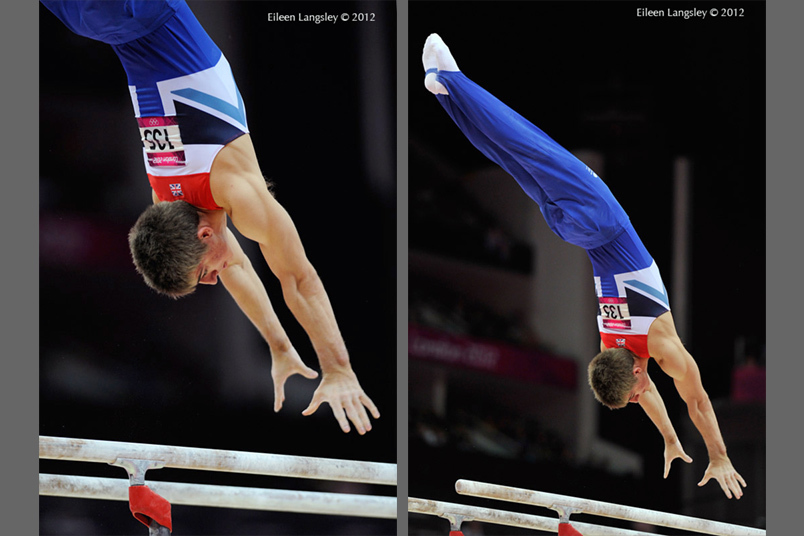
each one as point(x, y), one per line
point(673, 450)
point(283, 366)
point(728, 478)
point(341, 390)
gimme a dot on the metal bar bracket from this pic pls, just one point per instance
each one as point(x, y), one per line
point(455, 520)
point(564, 512)
point(136, 469)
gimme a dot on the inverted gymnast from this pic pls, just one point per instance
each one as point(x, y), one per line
point(203, 169)
point(634, 316)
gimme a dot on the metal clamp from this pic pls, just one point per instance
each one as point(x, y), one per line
point(455, 520)
point(564, 512)
point(136, 469)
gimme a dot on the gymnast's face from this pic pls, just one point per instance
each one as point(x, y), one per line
point(217, 258)
point(642, 385)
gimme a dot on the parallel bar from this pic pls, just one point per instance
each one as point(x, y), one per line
point(307, 502)
point(511, 519)
point(87, 450)
point(630, 513)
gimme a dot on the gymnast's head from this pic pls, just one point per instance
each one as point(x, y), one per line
point(617, 377)
point(166, 247)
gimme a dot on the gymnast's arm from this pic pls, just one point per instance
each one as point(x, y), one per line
point(653, 405)
point(247, 290)
point(676, 362)
point(238, 186)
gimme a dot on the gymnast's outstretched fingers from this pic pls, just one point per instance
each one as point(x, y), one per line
point(346, 398)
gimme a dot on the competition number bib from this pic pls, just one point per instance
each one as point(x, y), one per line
point(161, 140)
point(614, 312)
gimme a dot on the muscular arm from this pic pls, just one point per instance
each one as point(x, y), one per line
point(245, 286)
point(677, 363)
point(259, 217)
point(651, 401)
point(240, 189)
point(653, 405)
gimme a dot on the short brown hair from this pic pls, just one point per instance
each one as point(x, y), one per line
point(165, 247)
point(611, 376)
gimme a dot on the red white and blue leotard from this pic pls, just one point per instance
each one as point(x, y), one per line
point(629, 290)
point(184, 95)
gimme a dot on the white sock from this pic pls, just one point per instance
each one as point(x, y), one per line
point(436, 55)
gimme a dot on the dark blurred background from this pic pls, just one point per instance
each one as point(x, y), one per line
point(117, 362)
point(502, 313)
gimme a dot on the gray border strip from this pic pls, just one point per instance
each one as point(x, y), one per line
point(402, 267)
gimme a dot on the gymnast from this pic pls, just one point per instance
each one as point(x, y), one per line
point(634, 316)
point(203, 170)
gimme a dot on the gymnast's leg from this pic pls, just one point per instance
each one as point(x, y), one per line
point(575, 202)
